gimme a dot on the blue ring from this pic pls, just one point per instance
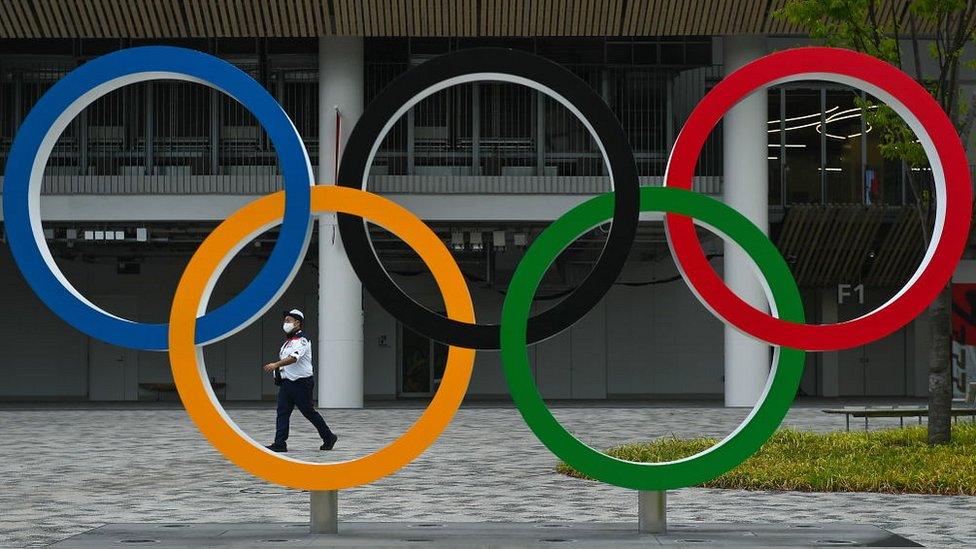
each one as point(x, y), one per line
point(288, 250)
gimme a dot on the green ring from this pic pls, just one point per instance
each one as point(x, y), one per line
point(743, 442)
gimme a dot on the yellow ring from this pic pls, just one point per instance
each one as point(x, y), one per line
point(190, 372)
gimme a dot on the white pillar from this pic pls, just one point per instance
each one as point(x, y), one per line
point(340, 349)
point(746, 181)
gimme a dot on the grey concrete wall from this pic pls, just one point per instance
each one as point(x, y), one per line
point(640, 341)
point(660, 340)
point(652, 340)
point(40, 355)
point(880, 368)
point(52, 359)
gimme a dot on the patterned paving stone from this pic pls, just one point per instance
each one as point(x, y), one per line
point(70, 470)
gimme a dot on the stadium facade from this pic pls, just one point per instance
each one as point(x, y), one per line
point(140, 177)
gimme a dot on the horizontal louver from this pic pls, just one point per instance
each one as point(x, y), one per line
point(310, 18)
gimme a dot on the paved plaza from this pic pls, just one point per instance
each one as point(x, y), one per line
point(69, 470)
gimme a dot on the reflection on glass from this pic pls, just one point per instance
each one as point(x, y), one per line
point(889, 172)
point(842, 129)
point(422, 363)
point(802, 145)
point(414, 363)
point(829, 150)
point(439, 352)
point(886, 175)
point(773, 128)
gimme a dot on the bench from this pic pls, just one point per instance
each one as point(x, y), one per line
point(900, 412)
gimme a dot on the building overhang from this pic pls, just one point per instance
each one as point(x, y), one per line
point(448, 18)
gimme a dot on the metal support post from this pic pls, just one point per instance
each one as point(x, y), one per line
point(652, 511)
point(476, 128)
point(214, 132)
point(150, 128)
point(540, 133)
point(324, 511)
point(411, 131)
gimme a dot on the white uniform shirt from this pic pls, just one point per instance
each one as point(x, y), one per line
point(299, 347)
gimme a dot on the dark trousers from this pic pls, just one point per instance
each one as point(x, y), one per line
point(298, 393)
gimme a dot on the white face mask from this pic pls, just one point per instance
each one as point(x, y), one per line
point(288, 327)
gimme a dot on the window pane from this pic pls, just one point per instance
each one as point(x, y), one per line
point(414, 362)
point(843, 138)
point(884, 176)
point(774, 157)
point(802, 146)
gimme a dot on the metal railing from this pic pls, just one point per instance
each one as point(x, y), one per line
point(500, 129)
point(169, 137)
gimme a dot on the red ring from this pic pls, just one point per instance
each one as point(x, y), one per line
point(882, 321)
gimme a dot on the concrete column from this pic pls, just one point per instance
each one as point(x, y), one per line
point(340, 349)
point(745, 188)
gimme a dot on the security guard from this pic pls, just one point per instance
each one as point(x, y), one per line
point(293, 375)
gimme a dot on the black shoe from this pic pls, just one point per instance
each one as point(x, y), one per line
point(280, 448)
point(330, 444)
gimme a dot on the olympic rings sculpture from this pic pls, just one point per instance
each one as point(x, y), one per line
point(191, 327)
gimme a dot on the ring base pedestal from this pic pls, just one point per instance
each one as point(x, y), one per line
point(324, 511)
point(652, 511)
point(511, 535)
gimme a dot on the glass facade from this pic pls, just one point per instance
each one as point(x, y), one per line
point(166, 127)
point(498, 129)
point(823, 150)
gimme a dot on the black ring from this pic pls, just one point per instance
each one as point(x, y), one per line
point(353, 172)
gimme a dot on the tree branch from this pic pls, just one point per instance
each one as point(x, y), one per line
point(965, 127)
point(916, 54)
